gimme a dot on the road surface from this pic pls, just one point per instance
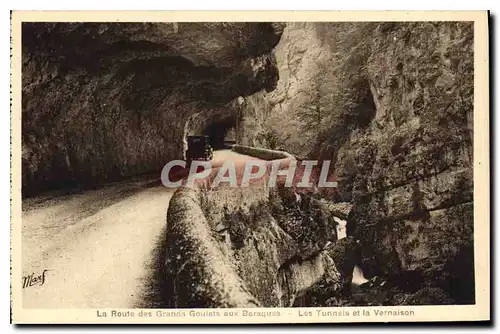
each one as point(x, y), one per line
point(100, 248)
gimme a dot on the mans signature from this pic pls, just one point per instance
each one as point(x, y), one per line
point(32, 280)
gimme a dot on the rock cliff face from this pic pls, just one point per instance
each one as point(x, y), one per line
point(416, 157)
point(300, 56)
point(108, 101)
point(391, 105)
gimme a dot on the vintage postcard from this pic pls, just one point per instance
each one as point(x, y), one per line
point(249, 167)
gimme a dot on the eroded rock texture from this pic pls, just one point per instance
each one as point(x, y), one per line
point(107, 101)
point(391, 105)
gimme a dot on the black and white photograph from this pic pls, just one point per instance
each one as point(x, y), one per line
point(251, 170)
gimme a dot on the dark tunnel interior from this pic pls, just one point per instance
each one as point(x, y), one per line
point(219, 132)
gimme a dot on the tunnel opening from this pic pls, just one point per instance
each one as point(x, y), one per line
point(221, 133)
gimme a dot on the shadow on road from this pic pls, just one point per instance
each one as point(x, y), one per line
point(155, 291)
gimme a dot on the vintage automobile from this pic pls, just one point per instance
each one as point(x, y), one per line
point(199, 148)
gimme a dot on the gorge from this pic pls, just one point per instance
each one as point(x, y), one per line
point(389, 103)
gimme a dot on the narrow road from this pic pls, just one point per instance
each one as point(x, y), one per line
point(101, 248)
